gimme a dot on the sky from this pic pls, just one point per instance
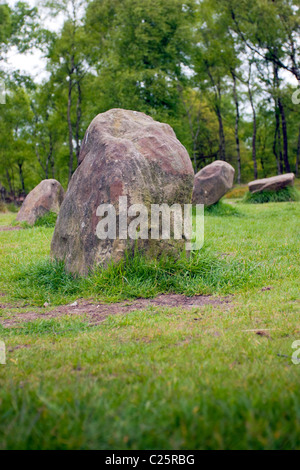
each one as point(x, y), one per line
point(33, 63)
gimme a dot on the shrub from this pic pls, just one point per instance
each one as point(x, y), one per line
point(11, 207)
point(47, 220)
point(288, 194)
point(2, 206)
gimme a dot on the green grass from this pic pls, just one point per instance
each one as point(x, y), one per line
point(289, 194)
point(47, 220)
point(157, 378)
point(202, 273)
point(221, 209)
point(10, 207)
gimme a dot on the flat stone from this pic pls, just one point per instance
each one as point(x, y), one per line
point(272, 184)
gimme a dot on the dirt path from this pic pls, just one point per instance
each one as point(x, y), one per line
point(97, 312)
point(9, 228)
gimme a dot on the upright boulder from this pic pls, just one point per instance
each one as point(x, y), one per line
point(124, 153)
point(275, 183)
point(212, 183)
point(45, 197)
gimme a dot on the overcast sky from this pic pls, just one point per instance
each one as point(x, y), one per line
point(33, 63)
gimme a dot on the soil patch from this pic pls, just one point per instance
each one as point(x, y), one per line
point(5, 228)
point(97, 312)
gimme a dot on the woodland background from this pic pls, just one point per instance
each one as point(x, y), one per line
point(221, 73)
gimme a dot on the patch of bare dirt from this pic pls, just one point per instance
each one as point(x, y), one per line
point(99, 312)
point(267, 288)
point(19, 346)
point(4, 228)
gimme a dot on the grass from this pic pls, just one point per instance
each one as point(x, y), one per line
point(289, 194)
point(237, 192)
point(8, 207)
point(202, 273)
point(47, 220)
point(158, 378)
point(221, 209)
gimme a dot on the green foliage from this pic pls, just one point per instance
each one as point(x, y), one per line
point(2, 206)
point(288, 194)
point(11, 207)
point(47, 220)
point(175, 60)
point(221, 209)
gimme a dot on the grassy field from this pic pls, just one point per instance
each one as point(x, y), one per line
point(215, 377)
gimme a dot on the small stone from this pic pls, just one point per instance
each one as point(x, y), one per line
point(46, 304)
point(45, 197)
point(74, 304)
point(212, 183)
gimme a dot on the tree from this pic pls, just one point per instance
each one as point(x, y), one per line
point(67, 55)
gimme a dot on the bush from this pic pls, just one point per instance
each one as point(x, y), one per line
point(289, 194)
point(2, 206)
point(11, 207)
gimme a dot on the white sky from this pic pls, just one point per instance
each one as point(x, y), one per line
point(33, 63)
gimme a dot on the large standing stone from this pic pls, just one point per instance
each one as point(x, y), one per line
point(124, 153)
point(272, 184)
point(45, 197)
point(212, 183)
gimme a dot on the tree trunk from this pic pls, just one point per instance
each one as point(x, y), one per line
point(237, 121)
point(195, 156)
point(50, 160)
point(254, 132)
point(71, 152)
point(277, 140)
point(20, 165)
point(78, 119)
point(285, 137)
point(218, 96)
point(9, 181)
point(283, 120)
point(222, 154)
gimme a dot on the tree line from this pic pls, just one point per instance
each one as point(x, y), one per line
point(222, 74)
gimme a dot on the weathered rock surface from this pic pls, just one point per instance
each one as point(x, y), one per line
point(212, 183)
point(124, 153)
point(45, 197)
point(272, 184)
